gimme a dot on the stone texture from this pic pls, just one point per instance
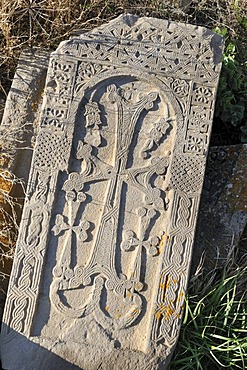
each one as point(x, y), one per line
point(18, 129)
point(19, 123)
point(223, 208)
point(106, 237)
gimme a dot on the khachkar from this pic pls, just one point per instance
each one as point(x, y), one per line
point(106, 238)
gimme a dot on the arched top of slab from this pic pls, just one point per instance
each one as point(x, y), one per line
point(184, 39)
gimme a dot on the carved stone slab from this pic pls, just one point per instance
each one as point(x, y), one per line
point(107, 230)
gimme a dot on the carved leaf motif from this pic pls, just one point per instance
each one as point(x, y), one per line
point(74, 183)
point(162, 126)
point(154, 197)
point(60, 225)
point(130, 241)
point(152, 248)
point(93, 137)
point(155, 135)
point(161, 164)
point(81, 197)
point(93, 121)
point(84, 151)
point(113, 96)
point(151, 99)
point(81, 230)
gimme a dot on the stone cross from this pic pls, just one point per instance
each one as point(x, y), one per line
point(105, 242)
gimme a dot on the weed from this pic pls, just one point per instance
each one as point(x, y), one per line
point(232, 91)
point(214, 331)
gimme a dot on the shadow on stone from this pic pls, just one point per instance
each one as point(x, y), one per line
point(22, 349)
point(222, 214)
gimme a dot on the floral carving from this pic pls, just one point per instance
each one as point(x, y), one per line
point(60, 225)
point(198, 120)
point(73, 182)
point(60, 79)
point(54, 117)
point(159, 130)
point(180, 88)
point(62, 71)
point(161, 164)
point(196, 143)
point(202, 95)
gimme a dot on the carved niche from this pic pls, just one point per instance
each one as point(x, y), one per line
point(106, 238)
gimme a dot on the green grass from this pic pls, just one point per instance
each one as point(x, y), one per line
point(214, 330)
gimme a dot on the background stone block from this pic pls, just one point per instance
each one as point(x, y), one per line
point(18, 129)
point(223, 207)
point(20, 119)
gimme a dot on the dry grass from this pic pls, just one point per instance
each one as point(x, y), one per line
point(8, 218)
point(45, 23)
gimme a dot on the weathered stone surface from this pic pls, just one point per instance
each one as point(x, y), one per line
point(19, 123)
point(107, 230)
point(17, 130)
point(223, 208)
